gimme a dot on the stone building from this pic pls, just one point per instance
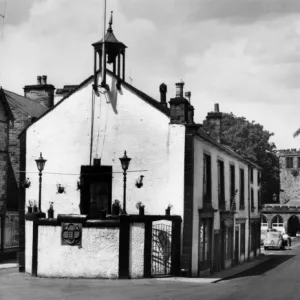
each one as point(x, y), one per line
point(16, 113)
point(173, 162)
point(284, 216)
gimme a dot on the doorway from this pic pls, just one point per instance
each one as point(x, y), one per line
point(237, 244)
point(293, 225)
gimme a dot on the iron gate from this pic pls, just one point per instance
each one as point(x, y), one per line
point(161, 249)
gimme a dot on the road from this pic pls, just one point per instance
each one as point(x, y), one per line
point(277, 278)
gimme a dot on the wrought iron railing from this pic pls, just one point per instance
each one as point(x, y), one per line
point(161, 249)
point(11, 230)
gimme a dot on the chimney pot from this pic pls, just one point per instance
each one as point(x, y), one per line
point(163, 94)
point(39, 78)
point(217, 107)
point(188, 96)
point(97, 162)
point(44, 79)
point(179, 89)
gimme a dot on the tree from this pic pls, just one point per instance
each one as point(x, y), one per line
point(252, 141)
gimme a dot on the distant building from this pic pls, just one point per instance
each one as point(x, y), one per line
point(285, 215)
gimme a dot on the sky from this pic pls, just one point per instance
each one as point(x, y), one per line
point(244, 55)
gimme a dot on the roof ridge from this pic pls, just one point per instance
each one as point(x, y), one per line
point(34, 100)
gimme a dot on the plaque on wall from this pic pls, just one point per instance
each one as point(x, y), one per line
point(71, 234)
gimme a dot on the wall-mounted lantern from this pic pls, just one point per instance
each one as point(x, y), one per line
point(40, 163)
point(26, 183)
point(60, 189)
point(139, 181)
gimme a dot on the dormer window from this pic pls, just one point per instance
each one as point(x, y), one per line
point(289, 162)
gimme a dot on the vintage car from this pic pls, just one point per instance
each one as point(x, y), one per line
point(274, 240)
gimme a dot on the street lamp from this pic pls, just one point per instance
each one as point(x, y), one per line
point(40, 163)
point(125, 164)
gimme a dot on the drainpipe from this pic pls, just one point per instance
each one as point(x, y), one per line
point(249, 214)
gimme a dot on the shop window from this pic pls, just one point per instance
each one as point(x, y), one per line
point(243, 238)
point(221, 184)
point(289, 162)
point(242, 189)
point(206, 178)
point(205, 240)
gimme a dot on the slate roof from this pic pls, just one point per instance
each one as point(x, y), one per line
point(32, 108)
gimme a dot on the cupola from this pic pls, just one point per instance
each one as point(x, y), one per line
point(109, 51)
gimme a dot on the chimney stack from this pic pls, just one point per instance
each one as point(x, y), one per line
point(214, 122)
point(163, 95)
point(41, 91)
point(190, 108)
point(44, 79)
point(179, 106)
point(179, 89)
point(188, 96)
point(39, 78)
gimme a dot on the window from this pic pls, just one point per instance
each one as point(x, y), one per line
point(252, 200)
point(259, 204)
point(263, 221)
point(251, 175)
point(228, 242)
point(243, 238)
point(221, 184)
point(289, 162)
point(277, 222)
point(298, 162)
point(232, 186)
point(242, 189)
point(258, 178)
point(206, 179)
point(205, 241)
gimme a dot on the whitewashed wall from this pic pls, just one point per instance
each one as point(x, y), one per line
point(127, 123)
point(136, 250)
point(202, 147)
point(98, 257)
point(28, 246)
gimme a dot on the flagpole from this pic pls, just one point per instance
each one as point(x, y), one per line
point(103, 49)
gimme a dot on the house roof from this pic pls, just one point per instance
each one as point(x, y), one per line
point(140, 94)
point(205, 136)
point(31, 107)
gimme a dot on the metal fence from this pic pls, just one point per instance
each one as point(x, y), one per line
point(161, 249)
point(11, 230)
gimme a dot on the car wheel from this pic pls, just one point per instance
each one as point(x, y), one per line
point(266, 248)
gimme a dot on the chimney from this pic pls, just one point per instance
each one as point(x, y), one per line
point(41, 91)
point(44, 79)
point(190, 108)
point(179, 106)
point(163, 95)
point(214, 122)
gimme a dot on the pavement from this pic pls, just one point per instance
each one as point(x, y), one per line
point(272, 275)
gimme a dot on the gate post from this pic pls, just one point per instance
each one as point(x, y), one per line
point(148, 248)
point(176, 246)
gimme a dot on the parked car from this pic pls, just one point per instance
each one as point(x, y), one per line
point(274, 240)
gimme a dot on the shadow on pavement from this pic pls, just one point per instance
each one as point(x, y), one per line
point(262, 268)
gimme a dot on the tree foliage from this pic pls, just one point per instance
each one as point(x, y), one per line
point(252, 141)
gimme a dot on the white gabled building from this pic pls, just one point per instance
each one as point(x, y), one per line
point(84, 135)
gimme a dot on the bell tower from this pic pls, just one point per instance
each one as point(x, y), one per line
point(113, 52)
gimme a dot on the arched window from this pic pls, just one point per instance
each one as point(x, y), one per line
point(277, 222)
point(263, 221)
